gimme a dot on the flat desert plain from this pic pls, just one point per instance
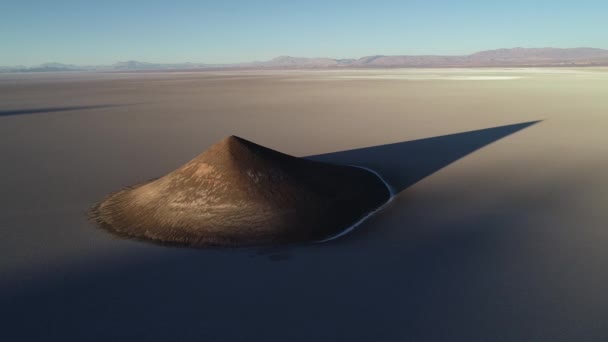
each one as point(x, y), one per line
point(498, 230)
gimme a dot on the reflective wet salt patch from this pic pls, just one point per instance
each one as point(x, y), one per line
point(482, 78)
point(426, 77)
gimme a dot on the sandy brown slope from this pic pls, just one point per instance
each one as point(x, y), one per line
point(239, 193)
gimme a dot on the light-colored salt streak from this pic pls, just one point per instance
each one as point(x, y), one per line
point(427, 77)
point(351, 228)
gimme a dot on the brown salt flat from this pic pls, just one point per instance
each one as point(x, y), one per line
point(506, 243)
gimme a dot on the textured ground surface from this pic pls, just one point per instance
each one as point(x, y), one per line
point(495, 235)
point(240, 194)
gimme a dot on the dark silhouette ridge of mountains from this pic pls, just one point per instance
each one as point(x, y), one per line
point(492, 58)
point(238, 193)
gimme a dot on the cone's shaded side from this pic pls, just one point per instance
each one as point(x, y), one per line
point(238, 193)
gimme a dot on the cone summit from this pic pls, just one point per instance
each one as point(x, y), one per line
point(238, 193)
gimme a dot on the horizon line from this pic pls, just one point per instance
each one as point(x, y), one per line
point(127, 60)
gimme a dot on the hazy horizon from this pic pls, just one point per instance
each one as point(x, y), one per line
point(124, 60)
point(34, 33)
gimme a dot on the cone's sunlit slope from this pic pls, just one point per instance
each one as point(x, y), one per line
point(239, 193)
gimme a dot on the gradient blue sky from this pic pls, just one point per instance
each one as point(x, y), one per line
point(103, 32)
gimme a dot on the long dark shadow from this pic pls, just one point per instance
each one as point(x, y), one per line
point(405, 163)
point(54, 109)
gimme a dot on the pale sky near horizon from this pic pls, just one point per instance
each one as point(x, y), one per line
point(103, 32)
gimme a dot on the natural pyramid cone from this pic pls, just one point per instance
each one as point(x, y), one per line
point(238, 193)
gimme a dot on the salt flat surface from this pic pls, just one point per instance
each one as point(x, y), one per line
point(493, 235)
point(427, 77)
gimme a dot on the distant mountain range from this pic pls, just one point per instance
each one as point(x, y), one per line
point(492, 58)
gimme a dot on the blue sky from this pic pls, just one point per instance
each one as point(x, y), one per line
point(103, 32)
